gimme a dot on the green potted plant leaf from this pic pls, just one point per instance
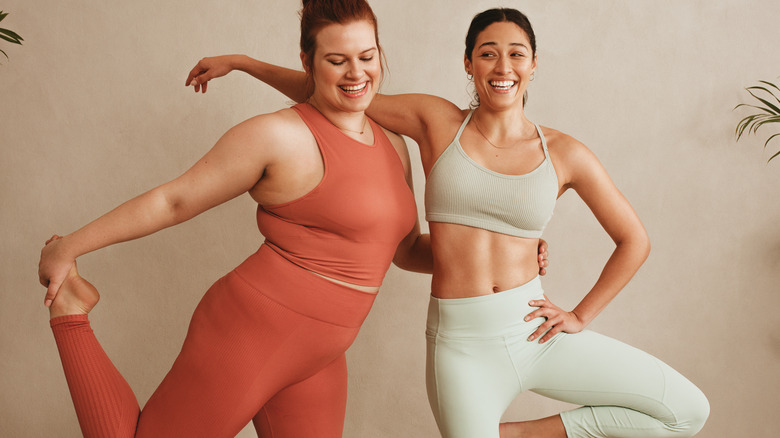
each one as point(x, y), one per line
point(768, 111)
point(10, 36)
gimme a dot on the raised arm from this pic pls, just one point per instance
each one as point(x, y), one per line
point(291, 83)
point(580, 170)
point(426, 119)
point(233, 166)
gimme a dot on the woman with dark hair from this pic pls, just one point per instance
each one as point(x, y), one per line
point(267, 341)
point(492, 180)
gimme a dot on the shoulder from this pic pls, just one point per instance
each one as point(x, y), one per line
point(572, 158)
point(277, 131)
point(271, 126)
point(563, 147)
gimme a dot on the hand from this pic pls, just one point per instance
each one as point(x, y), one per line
point(543, 262)
point(53, 267)
point(209, 68)
point(558, 320)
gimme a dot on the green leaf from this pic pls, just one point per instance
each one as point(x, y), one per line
point(1, 51)
point(15, 37)
point(770, 158)
point(770, 139)
point(771, 85)
point(753, 106)
point(2, 15)
point(764, 101)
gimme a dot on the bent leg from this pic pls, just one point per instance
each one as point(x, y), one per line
point(314, 407)
point(626, 392)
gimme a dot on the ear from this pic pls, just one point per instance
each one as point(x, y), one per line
point(467, 64)
point(304, 63)
point(534, 65)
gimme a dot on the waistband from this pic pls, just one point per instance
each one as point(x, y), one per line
point(304, 291)
point(497, 314)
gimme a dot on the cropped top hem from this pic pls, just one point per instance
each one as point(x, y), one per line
point(482, 224)
point(337, 274)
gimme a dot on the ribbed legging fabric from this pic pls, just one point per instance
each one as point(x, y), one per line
point(266, 344)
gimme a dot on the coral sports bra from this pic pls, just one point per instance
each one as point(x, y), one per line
point(348, 227)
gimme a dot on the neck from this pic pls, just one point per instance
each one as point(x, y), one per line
point(355, 122)
point(503, 126)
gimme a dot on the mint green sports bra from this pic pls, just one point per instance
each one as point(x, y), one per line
point(460, 191)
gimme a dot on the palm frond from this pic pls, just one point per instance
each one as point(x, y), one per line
point(768, 112)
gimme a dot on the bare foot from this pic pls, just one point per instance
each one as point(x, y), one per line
point(76, 296)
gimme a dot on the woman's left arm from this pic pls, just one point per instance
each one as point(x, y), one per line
point(579, 169)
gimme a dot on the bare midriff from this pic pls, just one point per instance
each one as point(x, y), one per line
point(470, 261)
point(357, 287)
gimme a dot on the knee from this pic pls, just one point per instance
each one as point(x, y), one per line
point(692, 420)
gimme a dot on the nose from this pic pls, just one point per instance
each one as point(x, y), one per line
point(503, 65)
point(354, 70)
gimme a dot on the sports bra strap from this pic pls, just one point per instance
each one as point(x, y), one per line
point(544, 142)
point(463, 125)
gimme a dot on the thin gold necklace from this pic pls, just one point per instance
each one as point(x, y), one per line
point(363, 129)
point(474, 117)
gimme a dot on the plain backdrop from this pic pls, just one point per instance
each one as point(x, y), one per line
point(94, 111)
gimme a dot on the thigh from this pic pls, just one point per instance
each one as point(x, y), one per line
point(241, 349)
point(470, 384)
point(594, 370)
point(312, 407)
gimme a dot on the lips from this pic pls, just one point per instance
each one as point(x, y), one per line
point(502, 85)
point(355, 90)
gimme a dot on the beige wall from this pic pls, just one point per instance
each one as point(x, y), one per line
point(93, 111)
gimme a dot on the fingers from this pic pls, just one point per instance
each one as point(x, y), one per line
point(542, 257)
point(52, 239)
point(199, 76)
point(197, 70)
point(553, 323)
point(51, 293)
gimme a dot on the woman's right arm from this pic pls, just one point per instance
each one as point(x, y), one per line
point(233, 166)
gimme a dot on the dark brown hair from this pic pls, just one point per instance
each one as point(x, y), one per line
point(498, 15)
point(317, 14)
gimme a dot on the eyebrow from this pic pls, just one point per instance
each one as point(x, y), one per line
point(341, 54)
point(491, 43)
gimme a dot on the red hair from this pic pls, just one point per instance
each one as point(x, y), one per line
point(317, 14)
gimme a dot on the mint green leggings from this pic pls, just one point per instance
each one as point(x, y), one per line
point(479, 360)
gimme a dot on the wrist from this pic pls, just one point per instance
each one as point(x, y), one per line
point(67, 247)
point(240, 63)
point(581, 318)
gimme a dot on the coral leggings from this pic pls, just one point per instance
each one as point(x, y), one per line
point(266, 344)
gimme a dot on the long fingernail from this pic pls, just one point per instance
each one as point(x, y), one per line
point(530, 338)
point(194, 83)
point(47, 303)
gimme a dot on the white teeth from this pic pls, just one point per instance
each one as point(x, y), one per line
point(354, 88)
point(502, 84)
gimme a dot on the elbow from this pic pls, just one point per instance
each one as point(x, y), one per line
point(172, 207)
point(641, 244)
point(636, 243)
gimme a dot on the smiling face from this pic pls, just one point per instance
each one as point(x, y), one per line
point(502, 63)
point(346, 67)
